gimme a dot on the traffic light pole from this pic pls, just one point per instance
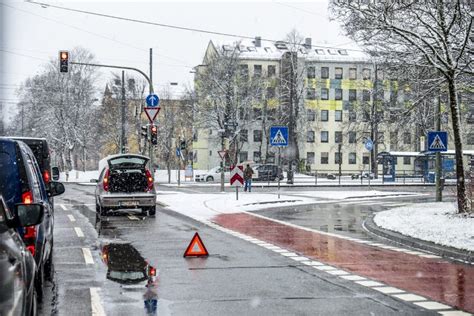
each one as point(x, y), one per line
point(150, 148)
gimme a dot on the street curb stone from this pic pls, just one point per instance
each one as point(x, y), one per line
point(443, 251)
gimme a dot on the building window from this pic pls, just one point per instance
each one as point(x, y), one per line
point(407, 160)
point(366, 159)
point(324, 94)
point(311, 72)
point(257, 70)
point(324, 158)
point(352, 73)
point(210, 152)
point(311, 93)
point(393, 140)
point(271, 71)
point(324, 72)
point(365, 95)
point(366, 74)
point(365, 116)
point(256, 156)
point(310, 136)
point(310, 158)
point(257, 136)
point(352, 94)
point(324, 136)
point(338, 73)
point(244, 70)
point(352, 137)
point(195, 135)
point(352, 116)
point(406, 138)
point(244, 135)
point(352, 158)
point(243, 156)
point(338, 116)
point(324, 115)
point(338, 137)
point(311, 115)
point(270, 92)
point(338, 93)
point(338, 158)
point(257, 113)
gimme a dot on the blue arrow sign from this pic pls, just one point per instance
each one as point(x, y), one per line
point(152, 100)
point(437, 141)
point(279, 136)
point(369, 144)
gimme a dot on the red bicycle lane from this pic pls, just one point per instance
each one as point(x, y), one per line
point(440, 280)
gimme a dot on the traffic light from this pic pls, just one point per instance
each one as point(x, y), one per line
point(144, 131)
point(63, 61)
point(182, 145)
point(154, 134)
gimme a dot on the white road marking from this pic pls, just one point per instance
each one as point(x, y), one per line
point(71, 218)
point(133, 218)
point(298, 258)
point(353, 277)
point(432, 305)
point(430, 256)
point(79, 232)
point(409, 297)
point(280, 250)
point(338, 272)
point(454, 313)
point(96, 306)
point(369, 283)
point(324, 268)
point(289, 254)
point(388, 290)
point(63, 207)
point(86, 252)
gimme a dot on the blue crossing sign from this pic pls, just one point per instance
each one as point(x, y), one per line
point(437, 141)
point(369, 144)
point(152, 100)
point(279, 136)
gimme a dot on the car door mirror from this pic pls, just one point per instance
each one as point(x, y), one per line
point(29, 214)
point(57, 188)
point(55, 171)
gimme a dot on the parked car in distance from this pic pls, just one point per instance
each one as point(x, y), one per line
point(22, 182)
point(213, 174)
point(125, 183)
point(17, 265)
point(331, 176)
point(363, 175)
point(268, 172)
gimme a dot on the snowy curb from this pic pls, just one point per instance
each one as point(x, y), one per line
point(464, 256)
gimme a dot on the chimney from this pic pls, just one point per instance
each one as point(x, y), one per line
point(258, 41)
point(307, 43)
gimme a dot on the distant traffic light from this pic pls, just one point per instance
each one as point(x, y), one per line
point(183, 145)
point(154, 134)
point(144, 131)
point(63, 61)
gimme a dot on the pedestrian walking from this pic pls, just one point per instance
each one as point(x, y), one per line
point(248, 172)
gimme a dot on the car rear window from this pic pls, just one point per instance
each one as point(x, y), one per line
point(127, 162)
point(9, 175)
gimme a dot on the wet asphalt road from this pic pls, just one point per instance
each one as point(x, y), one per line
point(239, 277)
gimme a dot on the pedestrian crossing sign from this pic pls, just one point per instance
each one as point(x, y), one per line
point(279, 136)
point(437, 141)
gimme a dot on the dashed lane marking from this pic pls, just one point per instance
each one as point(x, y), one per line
point(353, 277)
point(86, 252)
point(454, 313)
point(79, 232)
point(369, 283)
point(96, 306)
point(324, 268)
point(71, 218)
point(63, 207)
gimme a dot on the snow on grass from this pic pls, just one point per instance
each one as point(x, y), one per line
point(435, 222)
point(337, 195)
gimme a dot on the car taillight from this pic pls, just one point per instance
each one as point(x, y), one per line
point(30, 239)
point(149, 180)
point(27, 197)
point(106, 180)
point(152, 271)
point(46, 176)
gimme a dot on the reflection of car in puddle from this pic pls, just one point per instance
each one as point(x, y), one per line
point(127, 266)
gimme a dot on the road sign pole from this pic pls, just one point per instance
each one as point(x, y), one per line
point(236, 193)
point(278, 172)
point(439, 192)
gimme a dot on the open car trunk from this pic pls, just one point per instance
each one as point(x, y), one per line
point(127, 174)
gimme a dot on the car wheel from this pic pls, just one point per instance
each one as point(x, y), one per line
point(39, 283)
point(103, 211)
point(210, 178)
point(152, 211)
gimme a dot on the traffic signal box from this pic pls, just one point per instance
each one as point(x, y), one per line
point(63, 61)
point(153, 134)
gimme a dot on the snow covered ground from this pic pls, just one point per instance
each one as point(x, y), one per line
point(435, 222)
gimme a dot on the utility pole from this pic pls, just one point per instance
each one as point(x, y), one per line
point(150, 90)
point(373, 127)
point(439, 192)
point(223, 158)
point(123, 140)
point(1, 120)
point(339, 162)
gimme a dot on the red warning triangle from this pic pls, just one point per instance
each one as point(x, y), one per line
point(196, 248)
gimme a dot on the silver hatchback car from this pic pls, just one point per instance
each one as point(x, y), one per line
point(125, 183)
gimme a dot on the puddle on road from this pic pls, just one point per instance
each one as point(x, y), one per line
point(127, 267)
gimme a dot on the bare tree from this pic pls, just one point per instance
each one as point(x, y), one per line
point(433, 34)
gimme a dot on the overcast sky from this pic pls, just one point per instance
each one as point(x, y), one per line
point(31, 35)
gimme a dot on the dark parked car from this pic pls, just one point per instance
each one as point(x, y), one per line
point(17, 265)
point(21, 181)
point(125, 183)
point(269, 172)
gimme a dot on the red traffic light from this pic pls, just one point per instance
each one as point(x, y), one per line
point(63, 61)
point(154, 129)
